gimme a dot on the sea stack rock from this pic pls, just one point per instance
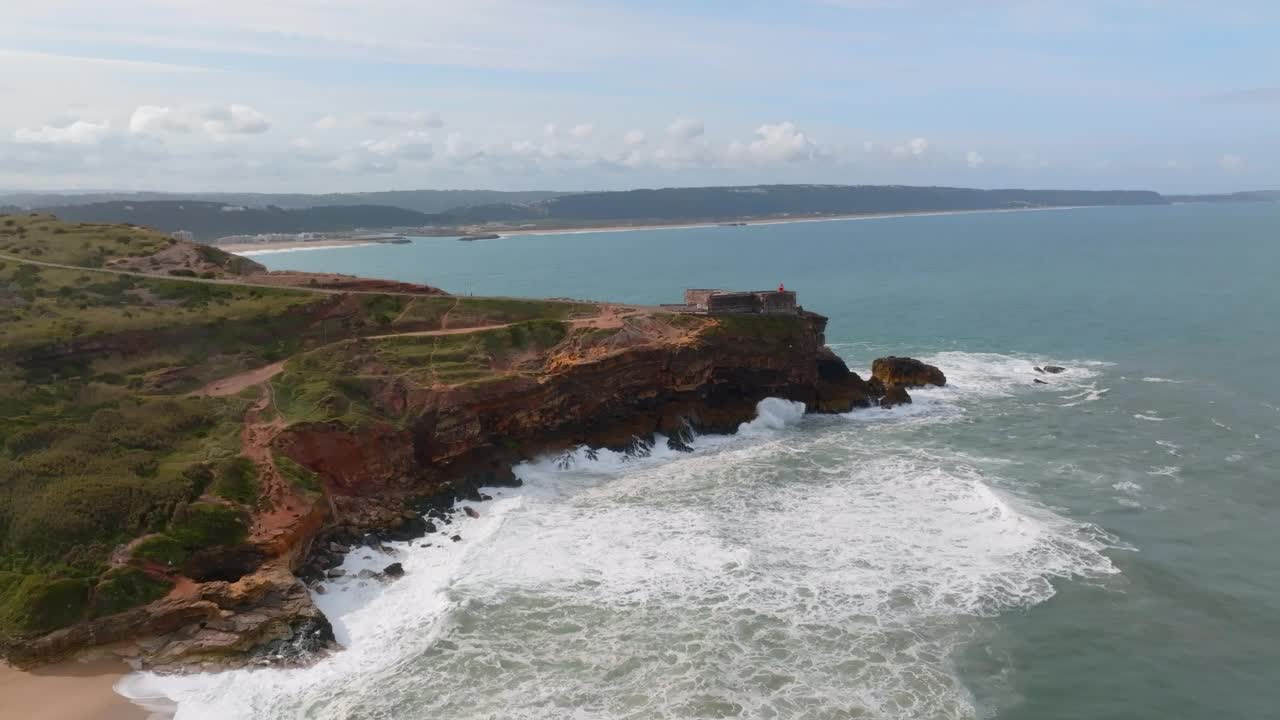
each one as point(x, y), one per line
point(906, 373)
point(894, 395)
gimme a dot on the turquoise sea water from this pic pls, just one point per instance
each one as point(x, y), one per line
point(1102, 546)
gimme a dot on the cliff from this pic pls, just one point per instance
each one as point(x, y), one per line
point(181, 458)
point(374, 426)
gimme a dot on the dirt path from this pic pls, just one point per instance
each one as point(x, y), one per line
point(238, 383)
point(444, 319)
point(611, 316)
point(282, 505)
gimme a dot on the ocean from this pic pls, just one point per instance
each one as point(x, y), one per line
point(1099, 546)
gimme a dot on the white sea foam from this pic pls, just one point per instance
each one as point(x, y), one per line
point(1165, 471)
point(1160, 380)
point(1148, 418)
point(780, 572)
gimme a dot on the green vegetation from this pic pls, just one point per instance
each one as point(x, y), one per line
point(428, 311)
point(298, 476)
point(102, 444)
point(125, 587)
point(334, 384)
point(201, 524)
point(162, 549)
point(35, 604)
point(771, 328)
point(236, 479)
point(40, 306)
point(44, 238)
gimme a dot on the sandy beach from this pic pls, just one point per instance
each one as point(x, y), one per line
point(270, 247)
point(773, 221)
point(66, 691)
point(251, 249)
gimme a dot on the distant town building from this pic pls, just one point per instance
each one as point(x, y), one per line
point(185, 235)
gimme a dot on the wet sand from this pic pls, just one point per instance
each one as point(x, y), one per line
point(66, 691)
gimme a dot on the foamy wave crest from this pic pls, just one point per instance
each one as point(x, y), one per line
point(998, 375)
point(378, 625)
point(776, 573)
point(773, 414)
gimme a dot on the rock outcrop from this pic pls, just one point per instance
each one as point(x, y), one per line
point(906, 372)
point(421, 445)
point(894, 395)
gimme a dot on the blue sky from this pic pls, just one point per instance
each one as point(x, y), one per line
point(340, 95)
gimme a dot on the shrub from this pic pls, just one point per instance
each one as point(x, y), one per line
point(297, 475)
point(237, 479)
point(201, 525)
point(162, 549)
point(125, 587)
point(39, 604)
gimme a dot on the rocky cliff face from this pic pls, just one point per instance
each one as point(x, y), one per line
point(612, 387)
point(648, 378)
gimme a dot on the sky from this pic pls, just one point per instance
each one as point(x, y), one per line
point(361, 95)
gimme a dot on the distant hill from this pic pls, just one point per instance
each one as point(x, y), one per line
point(210, 220)
point(1248, 196)
point(716, 203)
point(427, 201)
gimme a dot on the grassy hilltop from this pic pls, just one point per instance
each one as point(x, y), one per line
point(114, 470)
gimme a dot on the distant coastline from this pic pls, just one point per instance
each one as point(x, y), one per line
point(268, 248)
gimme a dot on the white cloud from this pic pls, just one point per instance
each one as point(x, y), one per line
point(685, 129)
point(974, 159)
point(781, 142)
point(234, 120)
point(550, 130)
point(913, 148)
point(80, 132)
point(150, 119)
point(583, 131)
point(410, 146)
point(218, 121)
point(1231, 162)
point(633, 138)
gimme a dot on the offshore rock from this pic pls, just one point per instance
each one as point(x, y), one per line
point(894, 395)
point(906, 372)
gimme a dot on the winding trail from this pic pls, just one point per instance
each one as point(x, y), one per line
point(610, 316)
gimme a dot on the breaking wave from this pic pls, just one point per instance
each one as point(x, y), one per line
point(803, 568)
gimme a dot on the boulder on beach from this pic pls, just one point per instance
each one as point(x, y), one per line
point(894, 395)
point(394, 570)
point(906, 372)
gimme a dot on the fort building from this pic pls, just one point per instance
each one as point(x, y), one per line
point(721, 302)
